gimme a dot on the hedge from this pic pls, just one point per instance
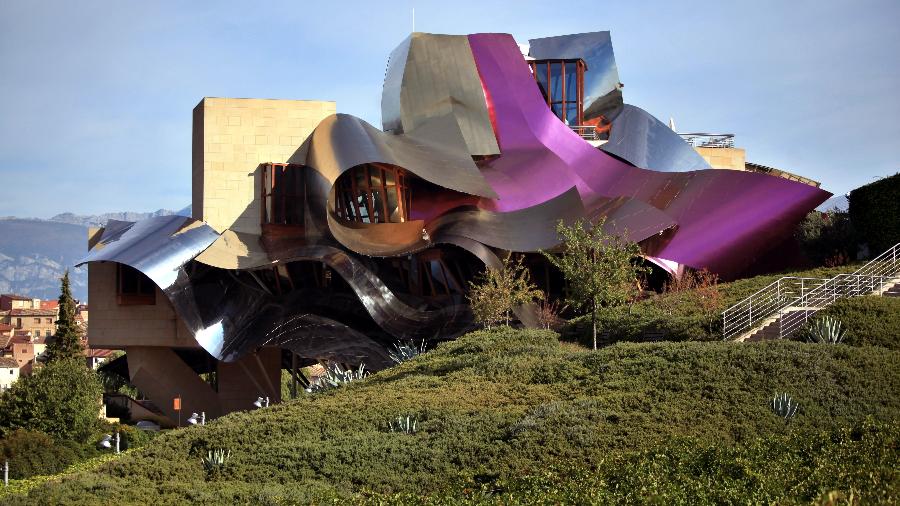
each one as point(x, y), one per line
point(875, 213)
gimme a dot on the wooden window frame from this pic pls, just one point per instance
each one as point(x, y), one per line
point(580, 68)
point(267, 204)
point(351, 198)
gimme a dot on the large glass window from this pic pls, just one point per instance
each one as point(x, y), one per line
point(283, 194)
point(562, 84)
point(373, 193)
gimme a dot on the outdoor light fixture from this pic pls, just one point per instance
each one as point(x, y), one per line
point(106, 442)
point(261, 402)
point(197, 419)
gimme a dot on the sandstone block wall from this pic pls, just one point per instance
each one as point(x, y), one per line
point(232, 138)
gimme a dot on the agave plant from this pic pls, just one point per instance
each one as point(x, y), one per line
point(825, 330)
point(784, 406)
point(402, 351)
point(215, 459)
point(337, 375)
point(404, 424)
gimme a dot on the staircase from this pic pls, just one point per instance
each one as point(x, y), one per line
point(785, 306)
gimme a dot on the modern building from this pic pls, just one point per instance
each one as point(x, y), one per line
point(316, 236)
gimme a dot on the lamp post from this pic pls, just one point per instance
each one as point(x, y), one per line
point(5, 473)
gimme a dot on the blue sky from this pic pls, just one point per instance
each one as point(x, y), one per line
point(96, 97)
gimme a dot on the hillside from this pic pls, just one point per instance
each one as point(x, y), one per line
point(34, 254)
point(510, 417)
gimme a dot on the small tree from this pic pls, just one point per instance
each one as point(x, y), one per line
point(67, 342)
point(495, 292)
point(62, 400)
point(597, 266)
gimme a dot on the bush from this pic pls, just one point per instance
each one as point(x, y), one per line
point(869, 321)
point(33, 453)
point(62, 399)
point(633, 423)
point(875, 212)
point(827, 238)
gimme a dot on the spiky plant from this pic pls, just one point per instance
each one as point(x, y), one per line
point(784, 406)
point(337, 375)
point(401, 351)
point(405, 424)
point(215, 460)
point(825, 330)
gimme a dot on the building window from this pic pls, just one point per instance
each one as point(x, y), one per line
point(37, 321)
point(133, 287)
point(47, 333)
point(373, 193)
point(49, 320)
point(283, 194)
point(562, 85)
point(18, 323)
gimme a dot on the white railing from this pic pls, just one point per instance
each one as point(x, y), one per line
point(793, 300)
point(701, 140)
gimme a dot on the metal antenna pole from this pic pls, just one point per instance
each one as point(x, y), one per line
point(414, 19)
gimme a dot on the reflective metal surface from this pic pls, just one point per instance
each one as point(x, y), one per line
point(725, 219)
point(602, 95)
point(646, 142)
point(434, 151)
point(432, 76)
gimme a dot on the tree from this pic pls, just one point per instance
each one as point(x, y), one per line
point(496, 292)
point(67, 342)
point(61, 399)
point(597, 267)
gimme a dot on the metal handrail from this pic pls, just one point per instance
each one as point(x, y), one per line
point(793, 307)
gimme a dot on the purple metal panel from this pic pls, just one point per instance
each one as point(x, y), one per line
point(725, 218)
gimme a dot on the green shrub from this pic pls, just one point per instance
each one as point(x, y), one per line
point(61, 399)
point(32, 453)
point(875, 212)
point(869, 321)
point(827, 238)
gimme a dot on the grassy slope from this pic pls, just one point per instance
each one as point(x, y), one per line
point(683, 321)
point(520, 415)
point(869, 321)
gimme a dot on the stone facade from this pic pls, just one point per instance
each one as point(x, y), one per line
point(724, 158)
point(232, 138)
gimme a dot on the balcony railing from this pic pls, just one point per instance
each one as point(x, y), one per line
point(700, 140)
point(590, 132)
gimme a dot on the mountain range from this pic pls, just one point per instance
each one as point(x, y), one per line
point(34, 253)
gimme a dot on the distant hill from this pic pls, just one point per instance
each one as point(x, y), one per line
point(34, 253)
point(99, 220)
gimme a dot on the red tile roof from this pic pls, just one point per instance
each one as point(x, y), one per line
point(15, 296)
point(99, 353)
point(9, 362)
point(5, 328)
point(49, 304)
point(32, 312)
